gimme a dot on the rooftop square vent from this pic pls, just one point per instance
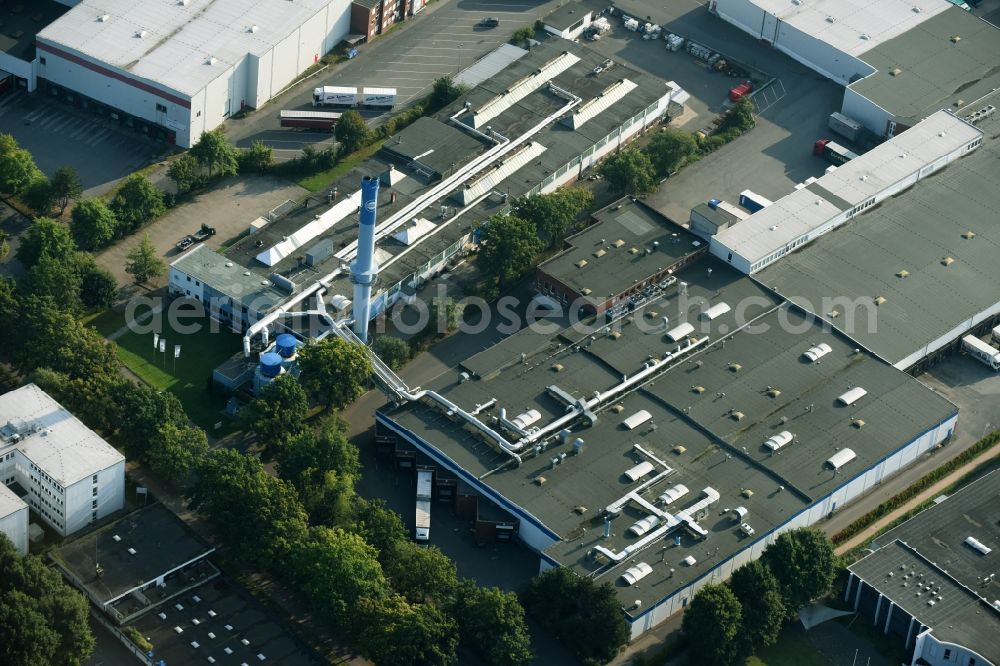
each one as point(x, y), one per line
point(895, 71)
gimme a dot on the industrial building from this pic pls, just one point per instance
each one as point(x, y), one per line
point(373, 17)
point(568, 21)
point(628, 250)
point(14, 519)
point(932, 580)
point(922, 264)
point(674, 443)
point(149, 573)
point(66, 473)
point(186, 65)
point(900, 60)
point(541, 122)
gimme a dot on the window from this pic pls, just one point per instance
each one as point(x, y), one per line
point(93, 516)
point(189, 278)
point(947, 654)
point(95, 478)
point(162, 108)
point(41, 60)
point(972, 661)
point(94, 494)
point(93, 505)
point(198, 115)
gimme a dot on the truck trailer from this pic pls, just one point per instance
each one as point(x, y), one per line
point(833, 152)
point(425, 480)
point(321, 120)
point(846, 127)
point(378, 98)
point(335, 96)
point(982, 352)
point(753, 202)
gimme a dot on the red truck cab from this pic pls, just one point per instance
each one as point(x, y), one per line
point(819, 146)
point(739, 91)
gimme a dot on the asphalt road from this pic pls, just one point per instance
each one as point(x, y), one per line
point(441, 40)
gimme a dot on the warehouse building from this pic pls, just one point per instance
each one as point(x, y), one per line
point(373, 17)
point(543, 121)
point(628, 251)
point(631, 452)
point(922, 264)
point(845, 192)
point(900, 60)
point(185, 66)
point(932, 580)
point(71, 476)
point(14, 519)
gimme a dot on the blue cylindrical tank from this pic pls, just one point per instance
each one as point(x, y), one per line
point(285, 345)
point(270, 364)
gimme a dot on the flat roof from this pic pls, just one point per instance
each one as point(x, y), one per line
point(10, 502)
point(489, 65)
point(18, 29)
point(435, 144)
point(810, 208)
point(173, 43)
point(567, 15)
point(841, 23)
point(161, 542)
point(52, 438)
point(221, 621)
point(628, 243)
point(916, 233)
point(935, 72)
point(720, 404)
point(229, 278)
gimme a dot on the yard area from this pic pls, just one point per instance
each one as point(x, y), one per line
point(792, 649)
point(188, 376)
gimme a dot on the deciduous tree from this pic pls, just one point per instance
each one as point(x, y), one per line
point(396, 633)
point(378, 526)
point(176, 450)
point(629, 172)
point(214, 152)
point(17, 166)
point(38, 195)
point(507, 247)
point(258, 157)
point(393, 351)
point(553, 214)
point(422, 575)
point(491, 623)
point(142, 412)
point(759, 594)
point(93, 224)
point(136, 202)
point(184, 172)
point(143, 263)
point(98, 287)
point(66, 186)
point(670, 149)
point(278, 412)
point(334, 372)
point(713, 622)
point(803, 562)
point(352, 131)
point(48, 236)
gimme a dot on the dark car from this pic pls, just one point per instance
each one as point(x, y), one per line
point(489, 22)
point(185, 243)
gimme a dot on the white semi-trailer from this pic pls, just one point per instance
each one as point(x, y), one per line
point(425, 479)
point(981, 351)
point(378, 98)
point(335, 96)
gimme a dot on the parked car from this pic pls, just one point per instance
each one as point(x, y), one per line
point(185, 243)
point(489, 22)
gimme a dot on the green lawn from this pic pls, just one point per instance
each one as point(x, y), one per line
point(320, 180)
point(106, 322)
point(186, 377)
point(790, 650)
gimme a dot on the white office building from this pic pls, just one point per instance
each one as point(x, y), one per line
point(187, 65)
point(14, 519)
point(72, 476)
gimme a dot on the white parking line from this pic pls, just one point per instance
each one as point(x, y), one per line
point(407, 71)
point(97, 138)
point(448, 48)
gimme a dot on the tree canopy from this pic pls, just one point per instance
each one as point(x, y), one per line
point(421, 574)
point(802, 560)
point(48, 236)
point(629, 172)
point(553, 214)
point(17, 166)
point(507, 247)
point(760, 597)
point(393, 351)
point(136, 202)
point(184, 172)
point(352, 131)
point(669, 149)
point(443, 92)
point(713, 620)
point(334, 372)
point(143, 263)
point(176, 450)
point(258, 157)
point(278, 412)
point(491, 623)
point(214, 152)
point(93, 224)
point(394, 632)
point(65, 186)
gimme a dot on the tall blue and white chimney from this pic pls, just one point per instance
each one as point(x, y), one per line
point(364, 270)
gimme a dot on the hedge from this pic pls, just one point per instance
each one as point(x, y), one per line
point(917, 487)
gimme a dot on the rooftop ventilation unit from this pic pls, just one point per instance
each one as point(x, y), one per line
point(639, 471)
point(783, 438)
point(976, 544)
point(852, 396)
point(637, 419)
point(634, 574)
point(813, 354)
point(103, 18)
point(140, 34)
point(673, 494)
point(680, 332)
point(644, 525)
point(690, 561)
point(679, 449)
point(715, 311)
point(841, 458)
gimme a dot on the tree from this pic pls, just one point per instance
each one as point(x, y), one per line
point(48, 236)
point(17, 167)
point(38, 195)
point(422, 575)
point(66, 187)
point(4, 245)
point(334, 569)
point(235, 492)
point(670, 149)
point(739, 118)
point(258, 157)
point(278, 412)
point(47, 336)
point(582, 615)
point(214, 152)
point(137, 202)
point(44, 620)
point(174, 450)
point(393, 351)
point(142, 262)
point(90, 398)
point(443, 92)
point(378, 526)
point(521, 35)
point(325, 449)
point(491, 623)
point(759, 594)
point(98, 287)
point(352, 132)
point(629, 172)
point(57, 281)
point(507, 247)
point(142, 412)
point(713, 621)
point(93, 224)
point(334, 372)
point(184, 172)
point(553, 214)
point(802, 560)
point(394, 632)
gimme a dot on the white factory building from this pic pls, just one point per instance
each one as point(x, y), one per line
point(14, 519)
point(187, 65)
point(72, 476)
point(828, 202)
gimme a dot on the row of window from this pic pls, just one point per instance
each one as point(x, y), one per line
point(776, 254)
point(862, 206)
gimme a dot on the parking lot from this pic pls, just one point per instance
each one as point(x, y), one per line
point(58, 133)
point(442, 40)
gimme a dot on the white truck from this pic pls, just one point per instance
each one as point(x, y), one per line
point(996, 334)
point(335, 96)
point(425, 479)
point(378, 98)
point(982, 352)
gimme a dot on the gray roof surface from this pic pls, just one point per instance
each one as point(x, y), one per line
point(9, 502)
point(957, 615)
point(435, 144)
point(913, 232)
point(161, 541)
point(719, 218)
point(935, 71)
point(566, 15)
point(489, 65)
point(619, 268)
point(229, 278)
point(722, 453)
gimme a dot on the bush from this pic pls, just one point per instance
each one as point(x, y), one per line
point(138, 639)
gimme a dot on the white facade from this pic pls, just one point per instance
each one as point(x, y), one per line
point(187, 66)
point(73, 477)
point(14, 519)
point(572, 31)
